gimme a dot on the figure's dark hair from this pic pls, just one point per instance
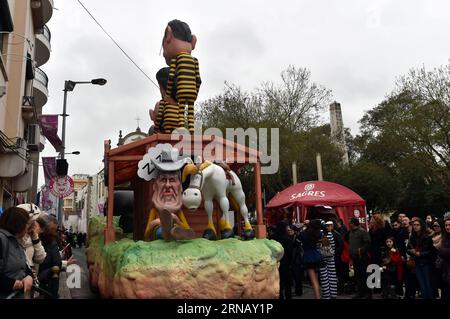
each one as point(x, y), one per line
point(14, 220)
point(162, 76)
point(181, 30)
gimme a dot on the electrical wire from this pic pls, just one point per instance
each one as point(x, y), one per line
point(115, 42)
point(12, 146)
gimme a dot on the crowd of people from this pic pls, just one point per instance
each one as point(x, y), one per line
point(33, 251)
point(413, 257)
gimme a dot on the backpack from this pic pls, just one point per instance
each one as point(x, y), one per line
point(325, 248)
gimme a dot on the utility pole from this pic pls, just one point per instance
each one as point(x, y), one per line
point(69, 86)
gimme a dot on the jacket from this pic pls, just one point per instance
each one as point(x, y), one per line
point(359, 243)
point(425, 246)
point(35, 253)
point(52, 259)
point(444, 253)
point(339, 244)
point(13, 262)
point(311, 252)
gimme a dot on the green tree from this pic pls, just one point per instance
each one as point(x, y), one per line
point(406, 139)
point(294, 106)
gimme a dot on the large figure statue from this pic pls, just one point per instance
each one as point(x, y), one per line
point(184, 76)
point(166, 219)
point(156, 115)
point(216, 182)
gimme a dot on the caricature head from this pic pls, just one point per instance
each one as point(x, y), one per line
point(167, 190)
point(162, 76)
point(177, 38)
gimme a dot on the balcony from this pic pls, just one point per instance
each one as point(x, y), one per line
point(24, 182)
point(12, 163)
point(43, 47)
point(40, 88)
point(42, 11)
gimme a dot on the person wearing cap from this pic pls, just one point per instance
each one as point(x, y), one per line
point(31, 242)
point(328, 279)
point(359, 243)
point(166, 219)
point(184, 76)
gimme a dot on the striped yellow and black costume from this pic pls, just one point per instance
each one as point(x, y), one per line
point(159, 126)
point(183, 86)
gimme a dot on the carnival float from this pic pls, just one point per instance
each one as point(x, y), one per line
point(186, 197)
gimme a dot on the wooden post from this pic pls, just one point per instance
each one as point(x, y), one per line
point(110, 235)
point(260, 227)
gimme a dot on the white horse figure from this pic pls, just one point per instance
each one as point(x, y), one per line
point(210, 180)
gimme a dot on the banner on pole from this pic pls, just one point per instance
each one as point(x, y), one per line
point(49, 165)
point(49, 126)
point(61, 186)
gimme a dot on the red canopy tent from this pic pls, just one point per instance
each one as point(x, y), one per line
point(343, 201)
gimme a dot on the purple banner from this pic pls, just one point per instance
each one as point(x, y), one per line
point(49, 165)
point(47, 203)
point(49, 126)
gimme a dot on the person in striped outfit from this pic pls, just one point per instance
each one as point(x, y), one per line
point(156, 115)
point(328, 278)
point(184, 76)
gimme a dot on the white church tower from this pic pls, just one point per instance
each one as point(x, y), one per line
point(337, 129)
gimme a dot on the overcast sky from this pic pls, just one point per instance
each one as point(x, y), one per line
point(356, 48)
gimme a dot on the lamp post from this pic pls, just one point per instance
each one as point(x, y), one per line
point(74, 153)
point(69, 86)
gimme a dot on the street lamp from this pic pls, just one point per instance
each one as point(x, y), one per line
point(69, 86)
point(74, 153)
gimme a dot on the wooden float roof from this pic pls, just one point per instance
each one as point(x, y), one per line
point(126, 157)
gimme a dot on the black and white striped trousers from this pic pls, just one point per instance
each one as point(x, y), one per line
point(328, 278)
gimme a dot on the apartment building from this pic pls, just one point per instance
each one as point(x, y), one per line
point(25, 48)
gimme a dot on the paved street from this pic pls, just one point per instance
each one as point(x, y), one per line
point(84, 292)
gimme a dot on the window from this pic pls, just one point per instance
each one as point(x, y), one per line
point(6, 23)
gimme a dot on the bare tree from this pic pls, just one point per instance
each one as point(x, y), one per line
point(296, 103)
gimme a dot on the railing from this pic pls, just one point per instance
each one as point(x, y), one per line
point(40, 76)
point(46, 33)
